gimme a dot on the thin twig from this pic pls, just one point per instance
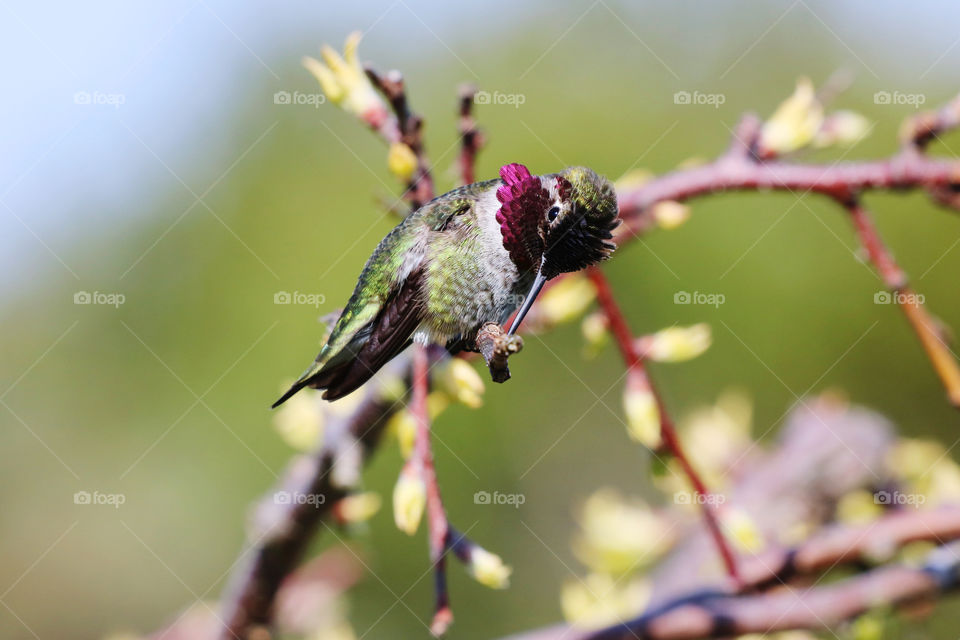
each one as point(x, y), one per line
point(496, 346)
point(421, 462)
point(634, 361)
point(420, 186)
point(471, 139)
point(925, 326)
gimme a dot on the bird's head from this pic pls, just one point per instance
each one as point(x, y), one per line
point(555, 223)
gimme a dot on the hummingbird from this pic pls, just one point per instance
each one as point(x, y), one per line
point(466, 258)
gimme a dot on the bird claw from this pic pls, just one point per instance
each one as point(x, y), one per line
point(496, 346)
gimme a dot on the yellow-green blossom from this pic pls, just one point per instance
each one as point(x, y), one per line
point(300, 422)
point(460, 381)
point(359, 507)
point(566, 300)
point(618, 535)
point(401, 160)
point(488, 569)
point(599, 600)
point(643, 415)
point(346, 84)
point(409, 500)
point(678, 344)
point(795, 122)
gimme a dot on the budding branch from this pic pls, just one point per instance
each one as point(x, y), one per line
point(248, 605)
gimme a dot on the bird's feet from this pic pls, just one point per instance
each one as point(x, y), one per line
point(496, 346)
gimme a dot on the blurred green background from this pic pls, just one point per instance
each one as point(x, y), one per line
point(165, 398)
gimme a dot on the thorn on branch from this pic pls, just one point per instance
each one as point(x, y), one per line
point(922, 129)
point(746, 135)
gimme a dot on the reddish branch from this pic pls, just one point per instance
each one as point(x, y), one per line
point(421, 462)
point(471, 140)
point(906, 170)
point(420, 186)
point(751, 609)
point(740, 169)
point(635, 364)
point(924, 325)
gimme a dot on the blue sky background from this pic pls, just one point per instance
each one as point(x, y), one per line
point(184, 67)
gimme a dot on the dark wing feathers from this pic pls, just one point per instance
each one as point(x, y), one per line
point(350, 364)
point(389, 334)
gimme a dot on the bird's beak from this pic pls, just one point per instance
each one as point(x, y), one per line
point(527, 303)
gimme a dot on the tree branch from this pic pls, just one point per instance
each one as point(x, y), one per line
point(905, 170)
point(717, 613)
point(496, 346)
point(740, 169)
point(289, 516)
point(926, 327)
point(471, 140)
point(420, 186)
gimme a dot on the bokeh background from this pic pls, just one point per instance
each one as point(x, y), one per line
point(186, 189)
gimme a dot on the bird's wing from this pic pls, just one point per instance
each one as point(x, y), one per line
point(386, 306)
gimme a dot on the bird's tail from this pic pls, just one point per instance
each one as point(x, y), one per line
point(301, 382)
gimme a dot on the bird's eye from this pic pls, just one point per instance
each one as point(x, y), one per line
point(553, 213)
